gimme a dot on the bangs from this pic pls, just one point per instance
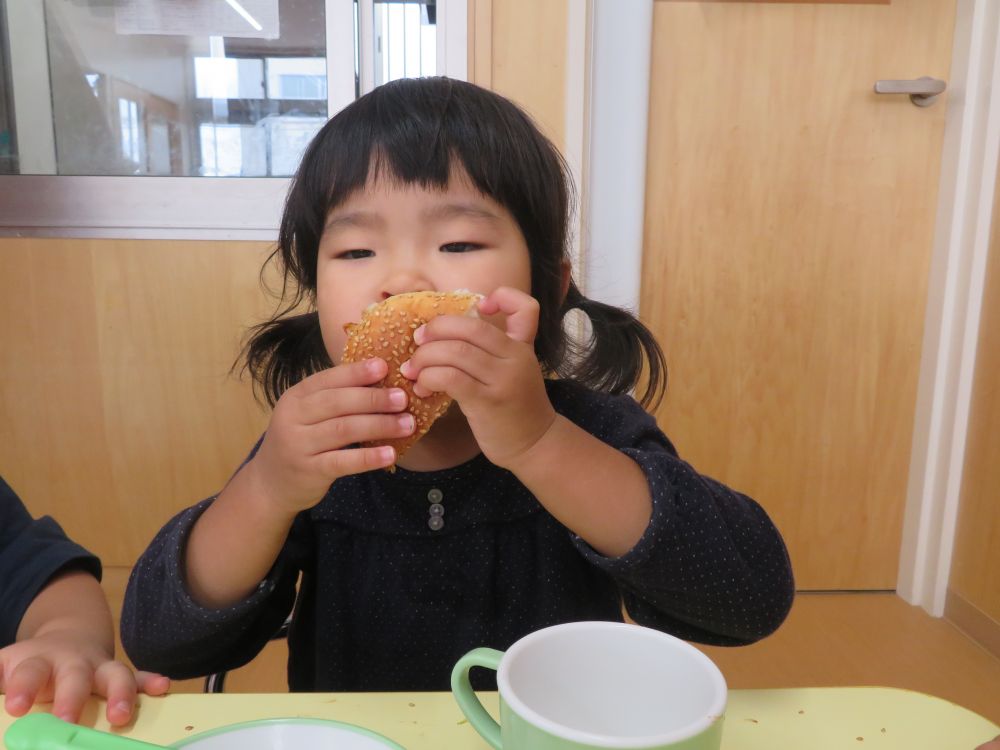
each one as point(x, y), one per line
point(416, 131)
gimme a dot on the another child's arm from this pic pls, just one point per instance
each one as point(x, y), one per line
point(65, 651)
point(55, 627)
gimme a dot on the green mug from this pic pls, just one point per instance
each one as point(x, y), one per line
point(594, 686)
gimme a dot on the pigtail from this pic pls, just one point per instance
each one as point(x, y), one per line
point(281, 352)
point(288, 347)
point(618, 348)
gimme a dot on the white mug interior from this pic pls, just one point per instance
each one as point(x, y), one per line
point(611, 684)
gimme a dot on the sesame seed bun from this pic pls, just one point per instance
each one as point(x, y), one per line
point(386, 330)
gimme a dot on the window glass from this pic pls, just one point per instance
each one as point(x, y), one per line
point(405, 40)
point(213, 88)
point(146, 87)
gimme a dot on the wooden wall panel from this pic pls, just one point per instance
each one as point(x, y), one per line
point(54, 449)
point(789, 222)
point(116, 406)
point(529, 60)
point(481, 42)
point(975, 575)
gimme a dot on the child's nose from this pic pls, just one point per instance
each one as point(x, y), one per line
point(401, 282)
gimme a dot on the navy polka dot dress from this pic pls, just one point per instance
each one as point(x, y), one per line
point(403, 573)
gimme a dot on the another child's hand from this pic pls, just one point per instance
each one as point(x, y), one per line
point(306, 447)
point(65, 668)
point(493, 374)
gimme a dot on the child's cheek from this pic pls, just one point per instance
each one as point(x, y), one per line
point(334, 339)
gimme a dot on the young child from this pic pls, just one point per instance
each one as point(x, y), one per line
point(561, 498)
point(57, 641)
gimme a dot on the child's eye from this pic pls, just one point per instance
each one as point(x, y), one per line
point(355, 254)
point(460, 247)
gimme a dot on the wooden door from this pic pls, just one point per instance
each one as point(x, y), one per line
point(789, 221)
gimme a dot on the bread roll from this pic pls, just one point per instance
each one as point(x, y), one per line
point(386, 330)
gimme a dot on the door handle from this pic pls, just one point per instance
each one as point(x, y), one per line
point(923, 91)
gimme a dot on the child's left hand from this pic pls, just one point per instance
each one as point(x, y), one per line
point(492, 373)
point(65, 667)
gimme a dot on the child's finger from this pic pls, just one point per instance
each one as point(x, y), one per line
point(151, 683)
point(478, 332)
point(74, 683)
point(24, 683)
point(461, 355)
point(342, 463)
point(455, 382)
point(521, 310)
point(116, 682)
point(334, 434)
point(366, 372)
point(337, 402)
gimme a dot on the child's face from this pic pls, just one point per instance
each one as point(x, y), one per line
point(389, 239)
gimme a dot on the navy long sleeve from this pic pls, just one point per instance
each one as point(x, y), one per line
point(31, 553)
point(389, 599)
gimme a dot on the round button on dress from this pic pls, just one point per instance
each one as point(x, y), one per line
point(436, 511)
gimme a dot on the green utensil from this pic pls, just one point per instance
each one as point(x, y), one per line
point(46, 732)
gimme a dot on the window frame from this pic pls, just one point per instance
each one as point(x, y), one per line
point(222, 208)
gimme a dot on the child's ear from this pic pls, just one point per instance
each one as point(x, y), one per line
point(567, 269)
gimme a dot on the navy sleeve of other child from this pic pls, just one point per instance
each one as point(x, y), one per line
point(31, 552)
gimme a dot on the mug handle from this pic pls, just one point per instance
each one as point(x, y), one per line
point(467, 700)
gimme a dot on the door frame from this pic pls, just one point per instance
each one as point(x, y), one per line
point(612, 201)
point(958, 260)
point(954, 305)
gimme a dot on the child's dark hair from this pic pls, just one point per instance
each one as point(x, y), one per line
point(415, 131)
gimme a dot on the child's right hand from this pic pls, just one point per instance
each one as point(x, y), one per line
point(306, 446)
